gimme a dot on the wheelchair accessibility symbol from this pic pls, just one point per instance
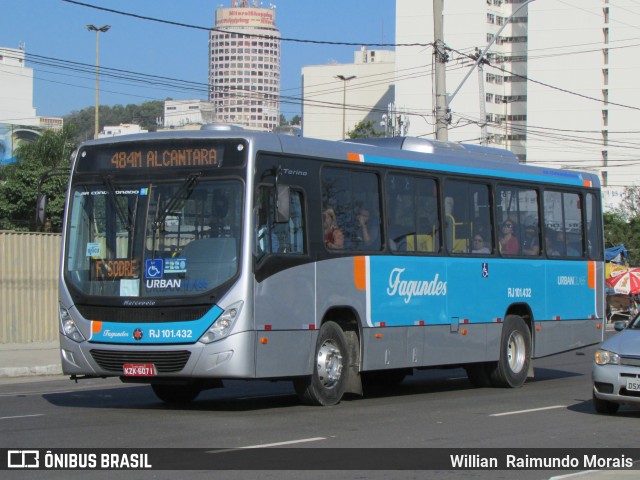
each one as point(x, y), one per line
point(153, 268)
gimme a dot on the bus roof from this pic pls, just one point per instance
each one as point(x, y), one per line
point(394, 151)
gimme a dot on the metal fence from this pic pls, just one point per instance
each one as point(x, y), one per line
point(29, 265)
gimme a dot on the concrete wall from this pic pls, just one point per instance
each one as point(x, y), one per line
point(29, 265)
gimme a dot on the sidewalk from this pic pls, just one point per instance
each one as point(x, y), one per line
point(26, 359)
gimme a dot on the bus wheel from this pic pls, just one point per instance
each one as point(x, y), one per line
point(328, 382)
point(176, 394)
point(479, 374)
point(515, 354)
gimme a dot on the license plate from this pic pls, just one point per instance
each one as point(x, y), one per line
point(633, 384)
point(139, 370)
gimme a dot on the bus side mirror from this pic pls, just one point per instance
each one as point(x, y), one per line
point(282, 203)
point(41, 210)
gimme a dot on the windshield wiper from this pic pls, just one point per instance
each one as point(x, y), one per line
point(118, 208)
point(176, 201)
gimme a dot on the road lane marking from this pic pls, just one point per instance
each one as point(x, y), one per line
point(269, 445)
point(23, 416)
point(517, 412)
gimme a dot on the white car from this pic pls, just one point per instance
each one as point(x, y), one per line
point(616, 369)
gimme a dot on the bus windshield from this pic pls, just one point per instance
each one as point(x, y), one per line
point(171, 238)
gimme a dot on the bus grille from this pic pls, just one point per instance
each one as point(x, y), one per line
point(165, 362)
point(142, 314)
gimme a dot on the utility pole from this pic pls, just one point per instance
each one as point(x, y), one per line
point(344, 100)
point(440, 59)
point(102, 29)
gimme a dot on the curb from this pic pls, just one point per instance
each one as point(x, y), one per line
point(12, 372)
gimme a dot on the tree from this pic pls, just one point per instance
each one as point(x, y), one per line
point(630, 205)
point(19, 180)
point(144, 115)
point(618, 230)
point(364, 129)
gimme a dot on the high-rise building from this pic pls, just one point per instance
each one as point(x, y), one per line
point(16, 89)
point(559, 88)
point(244, 66)
point(339, 96)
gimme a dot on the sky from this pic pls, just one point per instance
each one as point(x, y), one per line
point(56, 41)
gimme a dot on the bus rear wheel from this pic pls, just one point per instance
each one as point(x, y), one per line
point(512, 367)
point(176, 394)
point(327, 384)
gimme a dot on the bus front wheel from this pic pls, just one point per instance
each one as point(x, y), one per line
point(512, 368)
point(327, 384)
point(176, 394)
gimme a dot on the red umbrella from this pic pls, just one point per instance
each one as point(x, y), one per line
point(625, 282)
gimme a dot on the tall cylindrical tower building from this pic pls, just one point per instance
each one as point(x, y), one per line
point(244, 66)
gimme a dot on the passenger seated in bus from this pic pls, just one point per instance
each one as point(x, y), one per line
point(563, 247)
point(478, 246)
point(530, 242)
point(550, 244)
point(509, 243)
point(333, 236)
point(367, 233)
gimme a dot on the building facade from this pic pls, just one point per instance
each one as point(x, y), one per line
point(558, 89)
point(122, 129)
point(339, 96)
point(16, 89)
point(244, 66)
point(18, 120)
point(187, 113)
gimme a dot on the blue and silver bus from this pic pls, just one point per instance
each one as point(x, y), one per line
point(194, 257)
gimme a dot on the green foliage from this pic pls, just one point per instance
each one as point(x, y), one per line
point(622, 226)
point(19, 180)
point(295, 121)
point(364, 129)
point(144, 115)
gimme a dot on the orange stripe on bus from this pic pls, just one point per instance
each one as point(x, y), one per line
point(591, 274)
point(354, 157)
point(360, 273)
point(96, 326)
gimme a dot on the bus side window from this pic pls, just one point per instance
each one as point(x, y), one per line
point(413, 221)
point(285, 237)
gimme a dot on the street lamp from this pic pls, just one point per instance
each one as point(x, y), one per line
point(103, 29)
point(344, 100)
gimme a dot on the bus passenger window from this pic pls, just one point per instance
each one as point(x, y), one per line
point(413, 221)
point(351, 209)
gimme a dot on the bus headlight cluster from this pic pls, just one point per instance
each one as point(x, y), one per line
point(223, 325)
point(605, 357)
point(69, 328)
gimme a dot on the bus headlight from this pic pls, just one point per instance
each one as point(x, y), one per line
point(69, 328)
point(223, 325)
point(605, 357)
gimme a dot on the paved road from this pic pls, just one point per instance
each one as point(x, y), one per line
point(434, 409)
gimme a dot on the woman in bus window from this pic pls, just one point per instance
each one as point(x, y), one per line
point(509, 243)
point(333, 236)
point(478, 245)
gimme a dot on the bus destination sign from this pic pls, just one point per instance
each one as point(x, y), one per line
point(167, 158)
point(156, 156)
